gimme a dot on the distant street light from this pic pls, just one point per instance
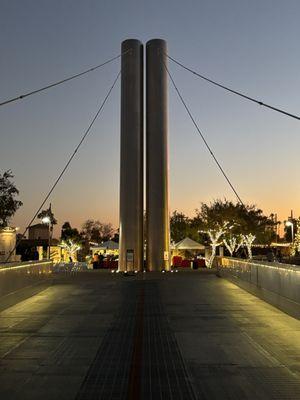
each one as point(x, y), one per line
point(47, 220)
point(290, 223)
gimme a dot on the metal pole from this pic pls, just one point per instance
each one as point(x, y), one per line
point(49, 239)
point(50, 231)
point(157, 168)
point(131, 164)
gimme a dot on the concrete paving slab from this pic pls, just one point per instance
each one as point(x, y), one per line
point(154, 336)
point(252, 351)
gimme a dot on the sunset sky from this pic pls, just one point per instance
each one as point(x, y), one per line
point(252, 46)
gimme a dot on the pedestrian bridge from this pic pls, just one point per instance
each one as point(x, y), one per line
point(97, 335)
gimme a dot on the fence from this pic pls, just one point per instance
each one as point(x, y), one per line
point(21, 280)
point(276, 283)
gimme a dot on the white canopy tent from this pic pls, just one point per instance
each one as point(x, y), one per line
point(188, 244)
point(108, 247)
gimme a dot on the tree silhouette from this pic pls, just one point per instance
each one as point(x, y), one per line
point(8, 204)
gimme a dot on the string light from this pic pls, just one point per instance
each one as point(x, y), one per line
point(248, 241)
point(70, 247)
point(214, 236)
point(233, 243)
point(296, 243)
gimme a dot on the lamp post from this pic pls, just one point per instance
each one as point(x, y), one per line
point(47, 220)
point(290, 223)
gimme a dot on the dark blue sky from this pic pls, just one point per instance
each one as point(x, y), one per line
point(252, 46)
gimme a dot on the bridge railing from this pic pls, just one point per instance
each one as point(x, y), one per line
point(17, 276)
point(277, 283)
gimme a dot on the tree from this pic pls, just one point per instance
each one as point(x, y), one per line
point(52, 221)
point(71, 248)
point(233, 242)
point(215, 236)
point(244, 219)
point(8, 204)
point(290, 229)
point(179, 226)
point(69, 233)
point(87, 229)
point(248, 240)
point(116, 236)
point(96, 231)
point(107, 231)
point(295, 250)
point(182, 226)
point(48, 213)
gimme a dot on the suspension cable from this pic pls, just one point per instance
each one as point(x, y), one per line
point(202, 137)
point(232, 90)
point(62, 81)
point(67, 164)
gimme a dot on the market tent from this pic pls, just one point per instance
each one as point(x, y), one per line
point(188, 244)
point(108, 248)
point(109, 245)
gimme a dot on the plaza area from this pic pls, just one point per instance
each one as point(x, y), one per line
point(186, 335)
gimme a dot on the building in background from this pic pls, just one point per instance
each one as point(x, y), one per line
point(38, 232)
point(8, 244)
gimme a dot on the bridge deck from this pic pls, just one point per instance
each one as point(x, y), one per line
point(171, 336)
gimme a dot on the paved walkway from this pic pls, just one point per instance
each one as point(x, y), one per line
point(172, 336)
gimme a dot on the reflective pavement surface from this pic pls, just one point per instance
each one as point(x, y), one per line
point(96, 335)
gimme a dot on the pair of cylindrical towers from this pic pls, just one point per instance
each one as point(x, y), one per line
point(137, 229)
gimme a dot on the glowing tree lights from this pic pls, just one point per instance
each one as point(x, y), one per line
point(71, 248)
point(215, 239)
point(296, 243)
point(232, 224)
point(233, 243)
point(248, 241)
